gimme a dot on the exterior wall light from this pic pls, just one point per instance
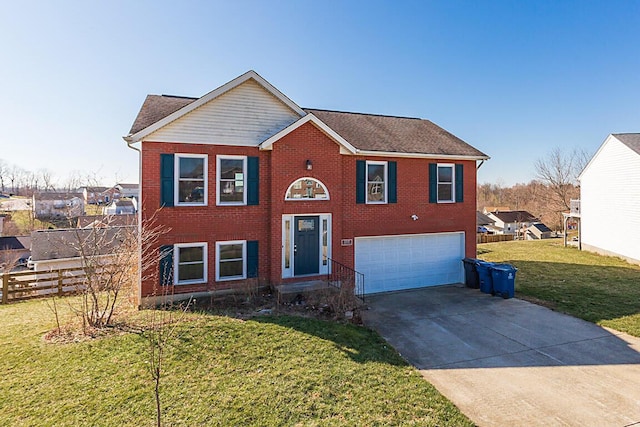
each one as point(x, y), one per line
point(309, 165)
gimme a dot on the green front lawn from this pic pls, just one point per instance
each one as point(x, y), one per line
point(600, 289)
point(272, 370)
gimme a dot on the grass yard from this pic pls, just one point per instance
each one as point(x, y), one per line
point(25, 223)
point(600, 289)
point(220, 371)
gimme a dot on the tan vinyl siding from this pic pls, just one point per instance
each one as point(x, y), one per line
point(610, 201)
point(246, 115)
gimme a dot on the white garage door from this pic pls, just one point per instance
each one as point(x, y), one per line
point(409, 261)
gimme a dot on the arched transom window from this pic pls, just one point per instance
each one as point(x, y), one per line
point(307, 189)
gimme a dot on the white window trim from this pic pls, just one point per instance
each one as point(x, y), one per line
point(244, 176)
point(453, 182)
point(176, 262)
point(366, 182)
point(244, 260)
point(176, 178)
point(316, 181)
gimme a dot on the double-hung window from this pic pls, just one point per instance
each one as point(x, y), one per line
point(231, 257)
point(376, 182)
point(232, 180)
point(190, 263)
point(446, 183)
point(191, 179)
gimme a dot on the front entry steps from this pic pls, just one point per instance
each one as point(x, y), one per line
point(311, 286)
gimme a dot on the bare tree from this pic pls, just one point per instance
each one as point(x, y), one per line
point(3, 173)
point(15, 175)
point(46, 178)
point(559, 171)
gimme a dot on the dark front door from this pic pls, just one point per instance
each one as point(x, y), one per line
point(306, 249)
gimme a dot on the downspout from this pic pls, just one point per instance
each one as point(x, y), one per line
point(129, 144)
point(481, 163)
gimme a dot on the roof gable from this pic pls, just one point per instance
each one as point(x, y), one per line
point(170, 118)
point(630, 140)
point(345, 146)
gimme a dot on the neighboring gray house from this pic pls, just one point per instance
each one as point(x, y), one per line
point(484, 223)
point(538, 231)
point(610, 198)
point(13, 249)
point(63, 248)
point(47, 205)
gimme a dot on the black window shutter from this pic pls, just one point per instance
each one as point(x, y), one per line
point(166, 265)
point(459, 183)
point(433, 183)
point(361, 180)
point(166, 179)
point(252, 258)
point(392, 186)
point(253, 180)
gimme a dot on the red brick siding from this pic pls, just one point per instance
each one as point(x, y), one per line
point(278, 169)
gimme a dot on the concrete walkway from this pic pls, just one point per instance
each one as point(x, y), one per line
point(512, 363)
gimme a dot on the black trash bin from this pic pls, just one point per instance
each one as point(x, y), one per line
point(471, 273)
point(504, 280)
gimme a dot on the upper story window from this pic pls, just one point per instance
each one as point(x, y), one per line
point(446, 183)
point(190, 176)
point(307, 189)
point(231, 180)
point(376, 182)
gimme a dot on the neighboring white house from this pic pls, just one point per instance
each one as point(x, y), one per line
point(511, 222)
point(128, 190)
point(610, 198)
point(58, 205)
point(121, 207)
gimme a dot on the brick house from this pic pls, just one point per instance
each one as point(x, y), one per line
point(254, 186)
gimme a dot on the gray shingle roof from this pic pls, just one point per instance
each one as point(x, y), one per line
point(514, 216)
point(9, 243)
point(541, 227)
point(66, 243)
point(371, 132)
point(57, 196)
point(157, 107)
point(368, 132)
point(631, 140)
point(482, 219)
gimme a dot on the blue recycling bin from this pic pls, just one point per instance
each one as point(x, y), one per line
point(471, 273)
point(484, 276)
point(504, 280)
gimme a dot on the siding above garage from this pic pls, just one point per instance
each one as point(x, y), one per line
point(246, 115)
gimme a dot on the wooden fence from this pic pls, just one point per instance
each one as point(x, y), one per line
point(37, 284)
point(490, 238)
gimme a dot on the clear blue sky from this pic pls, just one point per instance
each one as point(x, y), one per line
point(512, 78)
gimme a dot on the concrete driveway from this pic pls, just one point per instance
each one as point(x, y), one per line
point(509, 362)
